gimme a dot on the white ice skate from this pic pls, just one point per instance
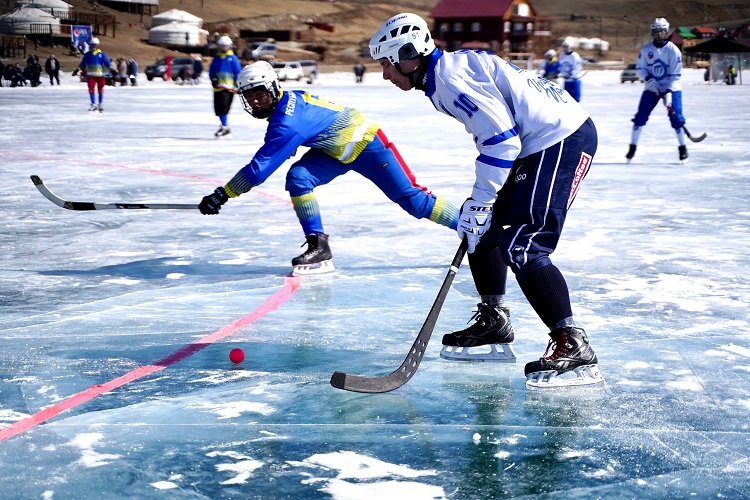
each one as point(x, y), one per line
point(324, 267)
point(223, 133)
point(499, 353)
point(586, 375)
point(93, 107)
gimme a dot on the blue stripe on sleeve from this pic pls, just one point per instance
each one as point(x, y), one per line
point(495, 162)
point(501, 137)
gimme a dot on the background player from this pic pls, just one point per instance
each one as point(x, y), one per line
point(659, 65)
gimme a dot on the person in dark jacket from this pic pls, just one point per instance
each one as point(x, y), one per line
point(52, 67)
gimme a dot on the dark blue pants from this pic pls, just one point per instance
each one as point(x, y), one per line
point(528, 216)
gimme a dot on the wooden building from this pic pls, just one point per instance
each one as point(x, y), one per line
point(496, 25)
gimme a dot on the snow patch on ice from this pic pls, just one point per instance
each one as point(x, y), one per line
point(235, 408)
point(122, 281)
point(90, 458)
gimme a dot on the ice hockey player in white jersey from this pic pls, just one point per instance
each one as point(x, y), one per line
point(535, 145)
point(571, 70)
point(659, 65)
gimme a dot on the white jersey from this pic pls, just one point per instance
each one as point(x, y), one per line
point(510, 112)
point(663, 64)
point(571, 67)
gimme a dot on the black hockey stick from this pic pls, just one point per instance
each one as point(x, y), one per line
point(84, 205)
point(394, 380)
point(670, 110)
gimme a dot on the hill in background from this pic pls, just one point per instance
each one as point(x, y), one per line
point(623, 23)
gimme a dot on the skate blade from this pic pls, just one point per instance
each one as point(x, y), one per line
point(479, 353)
point(324, 267)
point(586, 375)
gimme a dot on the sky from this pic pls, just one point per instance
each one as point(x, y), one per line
point(115, 378)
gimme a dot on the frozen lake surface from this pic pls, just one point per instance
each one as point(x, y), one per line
point(115, 379)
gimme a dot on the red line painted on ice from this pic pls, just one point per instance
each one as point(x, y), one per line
point(291, 285)
point(138, 169)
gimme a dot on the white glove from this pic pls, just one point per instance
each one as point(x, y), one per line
point(652, 85)
point(474, 221)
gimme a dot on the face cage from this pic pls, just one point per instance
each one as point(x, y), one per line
point(659, 35)
point(269, 87)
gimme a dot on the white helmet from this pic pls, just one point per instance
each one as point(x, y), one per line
point(402, 38)
point(550, 54)
point(258, 74)
point(224, 40)
point(94, 41)
point(659, 29)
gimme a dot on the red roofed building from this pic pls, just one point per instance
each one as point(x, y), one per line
point(704, 32)
point(510, 25)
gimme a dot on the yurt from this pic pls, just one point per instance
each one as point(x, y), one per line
point(54, 7)
point(177, 34)
point(175, 15)
point(19, 21)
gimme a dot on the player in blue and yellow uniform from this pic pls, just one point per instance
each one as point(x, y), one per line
point(223, 72)
point(340, 139)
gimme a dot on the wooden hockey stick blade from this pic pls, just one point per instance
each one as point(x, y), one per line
point(404, 373)
point(84, 205)
point(694, 139)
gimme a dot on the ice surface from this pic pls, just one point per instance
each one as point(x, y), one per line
point(654, 253)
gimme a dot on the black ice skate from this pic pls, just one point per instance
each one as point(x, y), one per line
point(631, 152)
point(481, 340)
point(223, 132)
point(316, 259)
point(571, 352)
point(683, 154)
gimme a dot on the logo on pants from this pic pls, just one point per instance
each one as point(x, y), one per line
point(583, 167)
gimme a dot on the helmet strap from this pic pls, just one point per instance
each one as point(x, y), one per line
point(416, 77)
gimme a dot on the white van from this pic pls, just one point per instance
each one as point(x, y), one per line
point(288, 70)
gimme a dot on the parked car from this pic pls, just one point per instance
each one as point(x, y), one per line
point(263, 50)
point(629, 74)
point(289, 71)
point(310, 69)
point(159, 68)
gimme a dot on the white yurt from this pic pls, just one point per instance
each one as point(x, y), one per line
point(19, 21)
point(54, 7)
point(178, 35)
point(175, 15)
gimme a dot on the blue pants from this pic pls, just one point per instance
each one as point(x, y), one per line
point(573, 87)
point(530, 210)
point(648, 102)
point(379, 163)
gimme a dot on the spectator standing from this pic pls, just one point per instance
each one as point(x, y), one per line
point(197, 69)
point(133, 72)
point(225, 67)
point(52, 67)
point(731, 75)
point(359, 72)
point(95, 66)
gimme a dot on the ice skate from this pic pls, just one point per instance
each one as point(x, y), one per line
point(683, 154)
point(631, 152)
point(101, 108)
point(93, 107)
point(316, 259)
point(572, 362)
point(486, 340)
point(223, 132)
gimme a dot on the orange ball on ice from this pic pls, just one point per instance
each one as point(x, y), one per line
point(236, 355)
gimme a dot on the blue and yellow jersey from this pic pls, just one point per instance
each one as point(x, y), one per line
point(302, 119)
point(95, 63)
point(224, 67)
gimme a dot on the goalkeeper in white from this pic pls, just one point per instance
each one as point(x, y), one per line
point(535, 145)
